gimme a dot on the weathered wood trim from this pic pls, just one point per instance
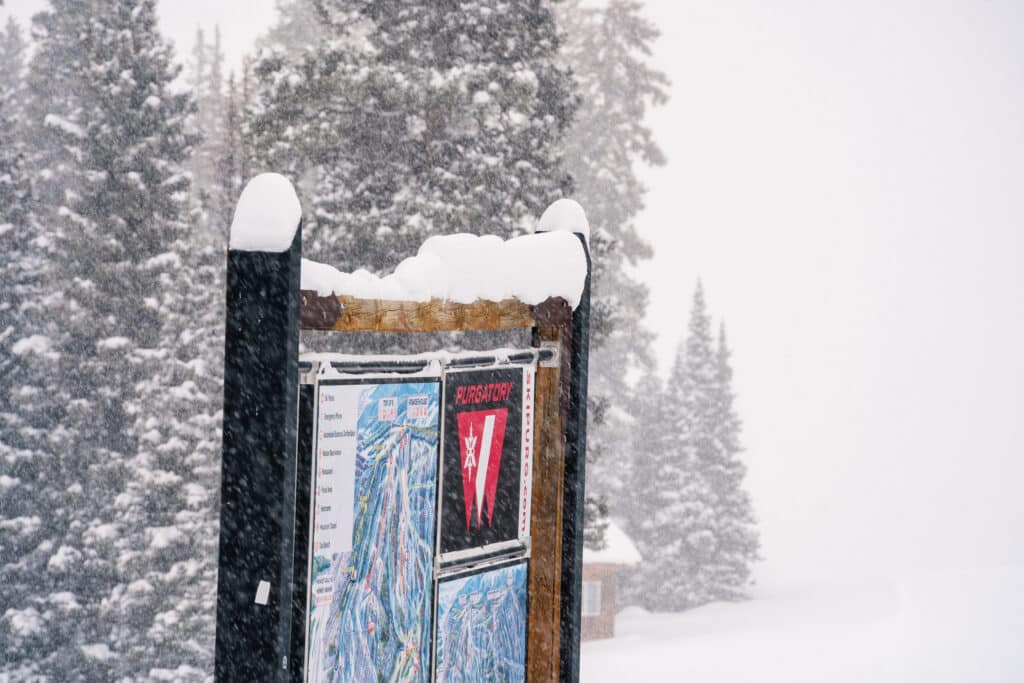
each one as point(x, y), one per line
point(543, 644)
point(348, 314)
point(552, 313)
point(318, 312)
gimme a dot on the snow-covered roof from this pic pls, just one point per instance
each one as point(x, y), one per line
point(619, 549)
point(266, 216)
point(464, 268)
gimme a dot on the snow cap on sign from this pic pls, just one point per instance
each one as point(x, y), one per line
point(267, 215)
point(565, 215)
point(465, 268)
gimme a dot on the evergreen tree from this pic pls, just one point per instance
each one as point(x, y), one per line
point(164, 611)
point(298, 28)
point(692, 391)
point(26, 414)
point(738, 544)
point(676, 525)
point(231, 164)
point(608, 49)
point(109, 140)
point(14, 188)
point(651, 438)
point(694, 524)
point(206, 79)
point(418, 118)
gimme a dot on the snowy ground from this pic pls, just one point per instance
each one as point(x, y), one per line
point(966, 627)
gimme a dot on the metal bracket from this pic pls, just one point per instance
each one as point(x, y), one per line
point(554, 360)
point(308, 372)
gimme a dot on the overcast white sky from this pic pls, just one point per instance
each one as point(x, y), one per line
point(846, 177)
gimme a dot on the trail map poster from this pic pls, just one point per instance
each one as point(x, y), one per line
point(487, 459)
point(373, 525)
point(481, 626)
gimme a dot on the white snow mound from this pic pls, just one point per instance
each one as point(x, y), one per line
point(465, 268)
point(565, 215)
point(267, 215)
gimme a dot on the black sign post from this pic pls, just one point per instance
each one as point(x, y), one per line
point(574, 493)
point(261, 356)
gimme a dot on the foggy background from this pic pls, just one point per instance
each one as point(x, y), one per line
point(846, 180)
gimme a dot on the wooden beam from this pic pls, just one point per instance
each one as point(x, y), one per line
point(349, 314)
point(543, 641)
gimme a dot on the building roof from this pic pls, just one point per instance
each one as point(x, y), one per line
point(619, 549)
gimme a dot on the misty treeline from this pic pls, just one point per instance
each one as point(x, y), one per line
point(119, 169)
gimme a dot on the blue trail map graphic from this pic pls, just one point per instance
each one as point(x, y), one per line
point(377, 623)
point(481, 627)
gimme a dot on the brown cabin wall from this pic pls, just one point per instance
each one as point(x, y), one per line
point(603, 624)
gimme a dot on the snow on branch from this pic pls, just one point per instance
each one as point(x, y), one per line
point(267, 215)
point(60, 123)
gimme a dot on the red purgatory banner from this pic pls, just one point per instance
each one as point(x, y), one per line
point(481, 438)
point(487, 457)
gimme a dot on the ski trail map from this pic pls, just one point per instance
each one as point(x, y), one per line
point(481, 626)
point(374, 520)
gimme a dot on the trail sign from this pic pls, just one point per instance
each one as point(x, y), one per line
point(298, 557)
point(486, 461)
point(372, 528)
point(481, 625)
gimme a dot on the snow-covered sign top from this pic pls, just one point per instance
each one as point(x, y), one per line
point(266, 216)
point(465, 268)
point(619, 549)
point(462, 268)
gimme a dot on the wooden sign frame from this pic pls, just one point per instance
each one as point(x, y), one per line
point(266, 309)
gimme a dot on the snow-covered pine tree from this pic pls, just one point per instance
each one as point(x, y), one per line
point(651, 440)
point(693, 391)
point(608, 49)
point(738, 542)
point(675, 517)
point(230, 163)
point(695, 527)
point(14, 234)
point(109, 141)
point(29, 613)
point(206, 80)
point(418, 118)
point(297, 29)
point(14, 197)
point(166, 611)
point(14, 186)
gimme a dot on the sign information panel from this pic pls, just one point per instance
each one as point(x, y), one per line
point(481, 626)
point(487, 459)
point(372, 529)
